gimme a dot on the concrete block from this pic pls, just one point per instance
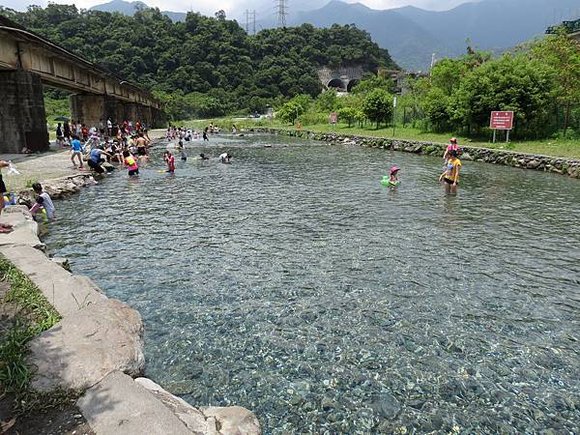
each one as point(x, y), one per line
point(86, 346)
point(66, 292)
point(193, 418)
point(119, 405)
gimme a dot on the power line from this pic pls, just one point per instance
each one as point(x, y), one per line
point(250, 19)
point(281, 12)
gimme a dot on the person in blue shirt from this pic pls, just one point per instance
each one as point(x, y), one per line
point(77, 151)
point(95, 160)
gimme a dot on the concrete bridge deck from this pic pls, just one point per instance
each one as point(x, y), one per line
point(28, 62)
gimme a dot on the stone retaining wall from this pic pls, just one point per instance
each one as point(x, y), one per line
point(97, 347)
point(557, 165)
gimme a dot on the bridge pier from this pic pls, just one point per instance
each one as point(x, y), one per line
point(22, 114)
point(94, 110)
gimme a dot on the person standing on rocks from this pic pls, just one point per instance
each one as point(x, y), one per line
point(4, 228)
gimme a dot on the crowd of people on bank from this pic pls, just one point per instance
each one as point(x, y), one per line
point(126, 144)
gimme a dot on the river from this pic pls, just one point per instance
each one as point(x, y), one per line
point(292, 283)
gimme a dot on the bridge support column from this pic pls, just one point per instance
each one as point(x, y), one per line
point(22, 114)
point(96, 109)
point(93, 110)
point(139, 112)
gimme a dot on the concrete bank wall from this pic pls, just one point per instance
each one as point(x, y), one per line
point(569, 167)
point(96, 350)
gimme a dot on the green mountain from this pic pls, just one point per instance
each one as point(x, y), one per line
point(412, 35)
point(207, 63)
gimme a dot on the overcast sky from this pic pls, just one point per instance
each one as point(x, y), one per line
point(233, 7)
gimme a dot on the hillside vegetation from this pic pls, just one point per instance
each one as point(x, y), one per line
point(204, 66)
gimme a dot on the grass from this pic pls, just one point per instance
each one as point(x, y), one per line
point(566, 148)
point(34, 315)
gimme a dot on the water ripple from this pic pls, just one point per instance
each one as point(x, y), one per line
point(292, 283)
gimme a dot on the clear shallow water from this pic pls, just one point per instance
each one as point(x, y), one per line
point(290, 282)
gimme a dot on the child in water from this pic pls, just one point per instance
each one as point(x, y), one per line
point(394, 175)
point(170, 160)
point(43, 204)
point(130, 163)
point(452, 146)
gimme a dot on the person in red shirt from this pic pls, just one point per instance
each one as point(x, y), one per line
point(170, 160)
point(84, 132)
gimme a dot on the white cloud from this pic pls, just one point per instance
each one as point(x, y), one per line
point(434, 5)
point(235, 8)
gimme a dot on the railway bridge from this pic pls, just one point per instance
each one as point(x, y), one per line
point(28, 62)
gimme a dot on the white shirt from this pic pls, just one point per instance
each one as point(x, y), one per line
point(48, 205)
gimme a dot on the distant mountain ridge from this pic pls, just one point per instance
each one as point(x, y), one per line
point(413, 35)
point(129, 8)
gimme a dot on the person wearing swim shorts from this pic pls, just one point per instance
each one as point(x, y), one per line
point(451, 175)
point(76, 151)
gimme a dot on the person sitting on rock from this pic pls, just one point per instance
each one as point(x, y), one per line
point(43, 203)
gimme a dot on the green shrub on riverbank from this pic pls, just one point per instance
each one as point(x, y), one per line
point(558, 147)
point(31, 314)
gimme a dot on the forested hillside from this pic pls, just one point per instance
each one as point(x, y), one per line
point(204, 66)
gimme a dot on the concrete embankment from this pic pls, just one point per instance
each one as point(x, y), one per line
point(96, 350)
point(569, 167)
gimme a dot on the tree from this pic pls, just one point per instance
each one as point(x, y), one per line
point(348, 114)
point(326, 101)
point(371, 81)
point(378, 106)
point(512, 82)
point(289, 112)
point(435, 104)
point(203, 54)
point(562, 55)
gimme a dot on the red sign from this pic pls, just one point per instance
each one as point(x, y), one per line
point(502, 120)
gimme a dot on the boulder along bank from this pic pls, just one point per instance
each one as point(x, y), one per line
point(96, 350)
point(563, 166)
